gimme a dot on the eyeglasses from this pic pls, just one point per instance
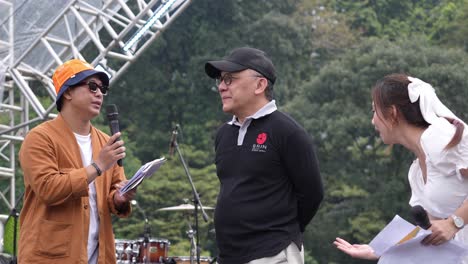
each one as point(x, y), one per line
point(94, 86)
point(227, 78)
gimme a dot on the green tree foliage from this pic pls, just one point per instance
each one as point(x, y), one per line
point(395, 18)
point(450, 24)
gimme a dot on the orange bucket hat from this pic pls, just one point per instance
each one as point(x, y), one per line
point(71, 73)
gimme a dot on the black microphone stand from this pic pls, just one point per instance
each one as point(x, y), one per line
point(196, 201)
point(146, 233)
point(14, 214)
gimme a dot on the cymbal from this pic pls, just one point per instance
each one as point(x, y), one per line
point(183, 207)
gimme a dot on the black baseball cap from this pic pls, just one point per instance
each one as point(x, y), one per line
point(241, 59)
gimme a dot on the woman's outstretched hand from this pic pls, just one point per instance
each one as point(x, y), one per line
point(361, 251)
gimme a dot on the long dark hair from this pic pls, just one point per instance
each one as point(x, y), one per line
point(392, 90)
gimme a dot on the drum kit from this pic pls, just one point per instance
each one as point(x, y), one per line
point(155, 250)
point(139, 251)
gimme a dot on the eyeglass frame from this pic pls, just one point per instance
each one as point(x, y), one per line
point(222, 78)
point(93, 87)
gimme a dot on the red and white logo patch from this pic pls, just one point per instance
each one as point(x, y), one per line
point(261, 138)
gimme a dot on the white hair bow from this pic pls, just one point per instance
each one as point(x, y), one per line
point(431, 107)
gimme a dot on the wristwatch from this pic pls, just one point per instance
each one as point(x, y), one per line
point(458, 221)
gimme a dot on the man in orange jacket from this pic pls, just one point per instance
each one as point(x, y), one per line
point(71, 176)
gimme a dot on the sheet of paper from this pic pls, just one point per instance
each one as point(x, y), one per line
point(413, 252)
point(145, 171)
point(395, 231)
point(400, 242)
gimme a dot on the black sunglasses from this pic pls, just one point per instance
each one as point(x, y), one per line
point(94, 86)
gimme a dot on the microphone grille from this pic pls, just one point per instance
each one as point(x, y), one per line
point(418, 212)
point(420, 216)
point(111, 111)
point(111, 108)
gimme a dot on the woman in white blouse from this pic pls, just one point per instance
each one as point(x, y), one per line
point(408, 112)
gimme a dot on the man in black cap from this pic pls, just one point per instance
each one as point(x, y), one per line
point(270, 181)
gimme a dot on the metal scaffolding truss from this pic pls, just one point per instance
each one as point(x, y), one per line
point(37, 36)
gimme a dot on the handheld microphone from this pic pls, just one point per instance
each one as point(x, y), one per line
point(113, 118)
point(173, 140)
point(420, 217)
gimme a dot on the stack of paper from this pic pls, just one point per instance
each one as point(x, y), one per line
point(400, 242)
point(144, 172)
